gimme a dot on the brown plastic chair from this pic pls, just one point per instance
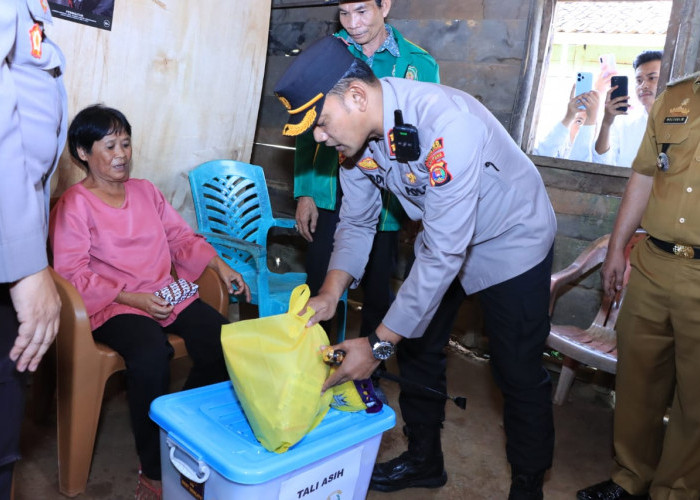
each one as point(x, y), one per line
point(83, 367)
point(595, 346)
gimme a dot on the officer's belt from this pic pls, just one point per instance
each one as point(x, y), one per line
point(685, 251)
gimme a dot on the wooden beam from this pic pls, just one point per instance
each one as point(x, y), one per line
point(682, 41)
point(527, 71)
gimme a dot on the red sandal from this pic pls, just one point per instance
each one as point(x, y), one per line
point(146, 490)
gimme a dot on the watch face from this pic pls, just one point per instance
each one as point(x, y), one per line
point(383, 350)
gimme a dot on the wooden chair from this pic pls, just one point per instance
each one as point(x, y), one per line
point(83, 367)
point(595, 346)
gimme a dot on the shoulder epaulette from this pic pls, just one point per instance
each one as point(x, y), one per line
point(684, 78)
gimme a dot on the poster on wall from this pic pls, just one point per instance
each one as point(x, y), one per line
point(95, 13)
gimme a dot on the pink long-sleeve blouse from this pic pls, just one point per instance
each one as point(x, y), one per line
point(103, 250)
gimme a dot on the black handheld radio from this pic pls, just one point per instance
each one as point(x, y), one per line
point(405, 139)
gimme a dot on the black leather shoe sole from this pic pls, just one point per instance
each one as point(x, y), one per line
point(426, 482)
point(607, 490)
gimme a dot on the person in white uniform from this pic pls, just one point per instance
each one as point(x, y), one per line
point(486, 220)
point(32, 135)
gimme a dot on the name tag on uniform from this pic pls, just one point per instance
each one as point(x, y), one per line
point(676, 120)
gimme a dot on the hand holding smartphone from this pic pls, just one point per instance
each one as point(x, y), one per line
point(607, 65)
point(620, 91)
point(584, 83)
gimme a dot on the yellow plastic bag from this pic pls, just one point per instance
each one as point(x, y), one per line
point(277, 371)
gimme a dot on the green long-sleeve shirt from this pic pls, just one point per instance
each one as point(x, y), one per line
point(316, 166)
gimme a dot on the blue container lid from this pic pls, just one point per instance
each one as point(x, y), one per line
point(209, 424)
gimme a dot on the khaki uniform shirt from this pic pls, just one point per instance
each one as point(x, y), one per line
point(673, 211)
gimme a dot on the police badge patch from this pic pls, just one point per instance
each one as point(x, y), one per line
point(436, 164)
point(439, 175)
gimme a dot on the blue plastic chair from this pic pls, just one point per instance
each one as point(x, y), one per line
point(234, 215)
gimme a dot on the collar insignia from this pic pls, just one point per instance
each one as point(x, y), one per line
point(367, 164)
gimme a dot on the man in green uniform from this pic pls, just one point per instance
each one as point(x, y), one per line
point(659, 323)
point(316, 186)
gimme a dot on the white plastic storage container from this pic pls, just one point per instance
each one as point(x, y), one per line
point(208, 451)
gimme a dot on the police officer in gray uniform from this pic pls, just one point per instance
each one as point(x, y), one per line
point(486, 218)
point(32, 134)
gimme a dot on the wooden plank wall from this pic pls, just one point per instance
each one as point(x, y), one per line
point(188, 79)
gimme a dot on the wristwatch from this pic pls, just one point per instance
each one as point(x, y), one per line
point(381, 349)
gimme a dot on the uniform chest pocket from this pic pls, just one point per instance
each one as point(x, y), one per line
point(672, 141)
point(492, 179)
point(672, 134)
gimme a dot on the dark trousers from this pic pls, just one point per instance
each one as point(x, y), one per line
point(318, 251)
point(423, 361)
point(376, 282)
point(12, 385)
point(143, 344)
point(516, 321)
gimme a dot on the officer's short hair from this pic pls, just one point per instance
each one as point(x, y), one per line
point(358, 70)
point(92, 124)
point(647, 56)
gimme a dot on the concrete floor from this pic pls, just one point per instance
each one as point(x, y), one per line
point(473, 442)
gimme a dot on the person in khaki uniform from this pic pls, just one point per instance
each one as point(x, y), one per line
point(659, 324)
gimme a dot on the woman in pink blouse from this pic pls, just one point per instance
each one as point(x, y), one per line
point(116, 240)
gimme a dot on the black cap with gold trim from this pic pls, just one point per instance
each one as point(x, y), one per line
point(303, 87)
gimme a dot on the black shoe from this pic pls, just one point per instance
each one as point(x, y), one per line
point(408, 471)
point(525, 486)
point(607, 490)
